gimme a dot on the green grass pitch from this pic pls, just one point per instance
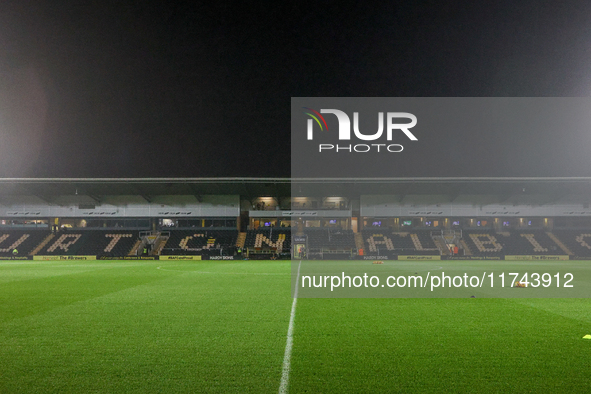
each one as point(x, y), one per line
point(164, 327)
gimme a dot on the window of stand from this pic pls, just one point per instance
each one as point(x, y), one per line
point(27, 223)
point(197, 223)
point(139, 223)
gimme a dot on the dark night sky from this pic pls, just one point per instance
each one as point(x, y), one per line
point(150, 89)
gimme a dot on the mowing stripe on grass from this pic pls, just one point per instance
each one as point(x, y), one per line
point(283, 387)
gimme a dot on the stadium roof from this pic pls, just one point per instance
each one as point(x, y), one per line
point(145, 187)
point(551, 187)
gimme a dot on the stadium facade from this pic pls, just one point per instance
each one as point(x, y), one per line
point(233, 218)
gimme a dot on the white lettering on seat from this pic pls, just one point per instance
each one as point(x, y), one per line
point(15, 244)
point(115, 240)
point(62, 242)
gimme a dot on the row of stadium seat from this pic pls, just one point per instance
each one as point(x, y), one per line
point(577, 241)
point(206, 242)
point(278, 239)
point(331, 239)
point(24, 241)
point(120, 243)
point(491, 243)
point(90, 242)
point(383, 242)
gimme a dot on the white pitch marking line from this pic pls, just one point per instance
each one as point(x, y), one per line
point(283, 387)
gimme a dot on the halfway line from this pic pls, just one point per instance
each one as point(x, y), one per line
point(283, 387)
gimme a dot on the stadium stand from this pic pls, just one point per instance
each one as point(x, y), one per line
point(577, 241)
point(422, 240)
point(108, 243)
point(91, 242)
point(24, 241)
point(206, 242)
point(113, 243)
point(529, 242)
point(332, 239)
point(418, 242)
point(278, 239)
point(484, 243)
